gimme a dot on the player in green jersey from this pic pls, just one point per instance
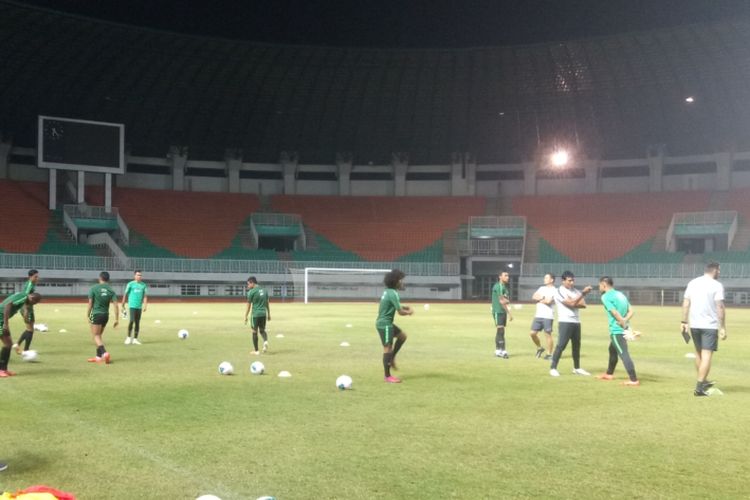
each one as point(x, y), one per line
point(501, 312)
point(619, 313)
point(8, 308)
point(259, 310)
point(136, 293)
point(28, 335)
point(101, 296)
point(390, 304)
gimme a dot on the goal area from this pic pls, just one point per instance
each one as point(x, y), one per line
point(337, 283)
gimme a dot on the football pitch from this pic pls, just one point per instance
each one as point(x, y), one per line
point(160, 422)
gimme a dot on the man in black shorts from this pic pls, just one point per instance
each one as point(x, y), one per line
point(259, 310)
point(101, 296)
point(703, 314)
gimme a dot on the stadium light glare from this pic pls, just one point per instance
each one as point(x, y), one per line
point(690, 99)
point(559, 158)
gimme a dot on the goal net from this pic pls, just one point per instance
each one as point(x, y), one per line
point(338, 283)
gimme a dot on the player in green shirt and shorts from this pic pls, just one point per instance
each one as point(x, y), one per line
point(101, 296)
point(619, 313)
point(8, 308)
point(501, 312)
point(259, 310)
point(136, 294)
point(28, 335)
point(390, 304)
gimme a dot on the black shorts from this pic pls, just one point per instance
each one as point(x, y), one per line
point(705, 338)
point(501, 319)
point(258, 322)
point(99, 319)
point(387, 333)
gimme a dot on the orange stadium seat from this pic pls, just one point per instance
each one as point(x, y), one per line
point(379, 228)
point(25, 216)
point(604, 226)
point(189, 224)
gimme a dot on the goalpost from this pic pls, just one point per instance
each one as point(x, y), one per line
point(340, 277)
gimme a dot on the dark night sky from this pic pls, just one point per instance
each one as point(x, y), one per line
point(389, 23)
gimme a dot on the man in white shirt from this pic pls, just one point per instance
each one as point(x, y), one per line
point(703, 314)
point(544, 316)
point(569, 301)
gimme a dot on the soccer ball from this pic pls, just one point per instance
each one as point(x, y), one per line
point(29, 356)
point(208, 497)
point(183, 334)
point(226, 368)
point(257, 368)
point(427, 307)
point(344, 382)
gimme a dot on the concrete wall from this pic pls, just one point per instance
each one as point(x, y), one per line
point(720, 179)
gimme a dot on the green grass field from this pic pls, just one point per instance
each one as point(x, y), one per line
point(160, 422)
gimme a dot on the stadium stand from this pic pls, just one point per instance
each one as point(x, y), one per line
point(616, 94)
point(186, 224)
point(25, 218)
point(604, 227)
point(379, 228)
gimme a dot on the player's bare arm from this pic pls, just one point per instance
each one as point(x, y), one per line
point(247, 311)
point(629, 314)
point(721, 313)
point(685, 313)
point(623, 322)
point(117, 314)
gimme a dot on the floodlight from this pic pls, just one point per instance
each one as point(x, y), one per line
point(690, 99)
point(559, 158)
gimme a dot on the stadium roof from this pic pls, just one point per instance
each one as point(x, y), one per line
point(612, 96)
point(404, 23)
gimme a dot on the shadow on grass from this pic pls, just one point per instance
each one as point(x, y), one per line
point(452, 377)
point(733, 389)
point(23, 462)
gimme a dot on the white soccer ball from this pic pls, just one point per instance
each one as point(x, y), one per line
point(257, 368)
point(183, 334)
point(344, 382)
point(226, 368)
point(29, 356)
point(208, 497)
point(427, 307)
point(41, 327)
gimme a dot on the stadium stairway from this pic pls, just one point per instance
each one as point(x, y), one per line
point(531, 248)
